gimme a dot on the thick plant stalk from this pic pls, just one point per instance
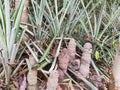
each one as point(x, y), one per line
point(63, 59)
point(53, 80)
point(81, 66)
point(5, 56)
point(23, 84)
point(63, 62)
point(66, 56)
point(116, 69)
point(32, 75)
point(72, 48)
point(85, 60)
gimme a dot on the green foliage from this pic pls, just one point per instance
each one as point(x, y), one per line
point(78, 19)
point(95, 21)
point(10, 34)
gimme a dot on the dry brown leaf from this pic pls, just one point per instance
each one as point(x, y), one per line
point(32, 75)
point(72, 48)
point(53, 80)
point(85, 60)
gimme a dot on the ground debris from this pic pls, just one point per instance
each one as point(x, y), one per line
point(98, 81)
